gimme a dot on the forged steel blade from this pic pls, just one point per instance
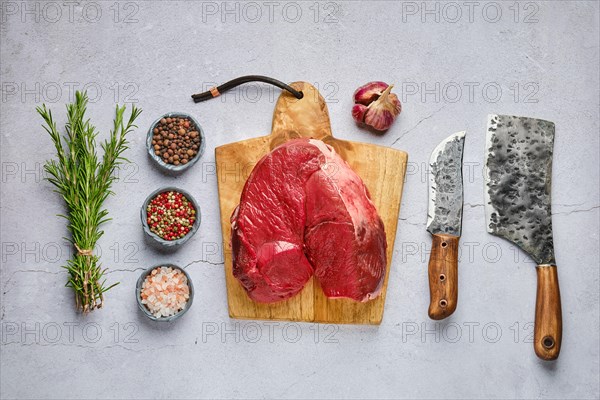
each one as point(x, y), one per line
point(444, 214)
point(518, 182)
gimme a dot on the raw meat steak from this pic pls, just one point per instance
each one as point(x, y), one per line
point(303, 210)
point(344, 236)
point(267, 236)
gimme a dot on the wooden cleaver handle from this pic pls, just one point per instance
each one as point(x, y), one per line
point(548, 314)
point(443, 276)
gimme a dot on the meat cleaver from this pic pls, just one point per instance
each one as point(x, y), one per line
point(517, 206)
point(444, 222)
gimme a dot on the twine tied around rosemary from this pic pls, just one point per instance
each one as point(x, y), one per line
point(85, 252)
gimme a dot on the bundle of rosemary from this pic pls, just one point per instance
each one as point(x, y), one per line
point(84, 183)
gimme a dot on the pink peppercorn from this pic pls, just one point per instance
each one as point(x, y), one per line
point(170, 215)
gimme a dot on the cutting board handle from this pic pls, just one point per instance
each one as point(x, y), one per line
point(307, 117)
point(547, 336)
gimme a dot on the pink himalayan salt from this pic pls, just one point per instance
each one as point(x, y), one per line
point(165, 291)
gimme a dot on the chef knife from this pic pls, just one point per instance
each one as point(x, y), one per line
point(444, 222)
point(517, 206)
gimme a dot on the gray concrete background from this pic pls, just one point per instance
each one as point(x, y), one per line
point(453, 63)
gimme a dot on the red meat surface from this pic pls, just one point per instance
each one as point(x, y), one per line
point(304, 211)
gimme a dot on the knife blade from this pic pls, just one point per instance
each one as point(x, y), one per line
point(444, 222)
point(518, 208)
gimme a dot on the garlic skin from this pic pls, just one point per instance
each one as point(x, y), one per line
point(375, 105)
point(370, 92)
point(358, 112)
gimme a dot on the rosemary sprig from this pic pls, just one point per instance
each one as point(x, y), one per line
point(84, 183)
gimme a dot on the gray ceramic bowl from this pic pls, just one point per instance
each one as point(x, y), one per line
point(147, 313)
point(169, 244)
point(169, 168)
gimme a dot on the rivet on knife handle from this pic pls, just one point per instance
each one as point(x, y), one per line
point(548, 314)
point(443, 276)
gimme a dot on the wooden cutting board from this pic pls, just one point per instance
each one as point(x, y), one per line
point(381, 168)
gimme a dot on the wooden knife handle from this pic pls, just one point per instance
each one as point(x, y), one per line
point(443, 276)
point(548, 314)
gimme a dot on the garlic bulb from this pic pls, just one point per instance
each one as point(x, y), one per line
point(375, 105)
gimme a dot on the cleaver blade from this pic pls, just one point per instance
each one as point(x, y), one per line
point(518, 181)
